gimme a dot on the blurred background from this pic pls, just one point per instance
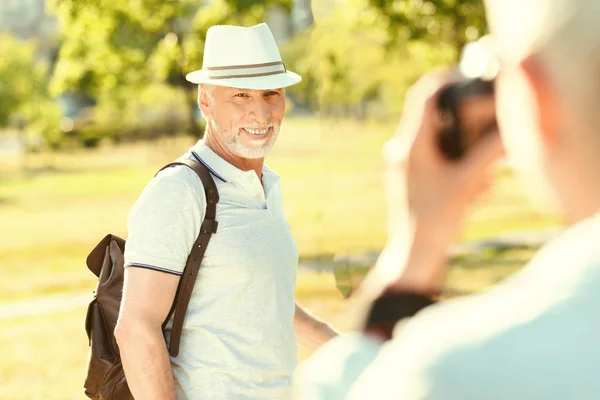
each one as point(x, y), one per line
point(93, 101)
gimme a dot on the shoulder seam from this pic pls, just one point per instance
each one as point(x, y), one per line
point(201, 200)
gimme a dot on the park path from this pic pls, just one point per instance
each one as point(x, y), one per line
point(44, 305)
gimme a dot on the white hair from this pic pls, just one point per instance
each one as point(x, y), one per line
point(209, 90)
point(563, 33)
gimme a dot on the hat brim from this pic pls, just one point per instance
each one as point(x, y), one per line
point(257, 83)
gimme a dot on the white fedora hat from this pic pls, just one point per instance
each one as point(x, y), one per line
point(241, 57)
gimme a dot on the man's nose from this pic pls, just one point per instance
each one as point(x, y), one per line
point(262, 112)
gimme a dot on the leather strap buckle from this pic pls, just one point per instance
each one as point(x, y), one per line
point(209, 225)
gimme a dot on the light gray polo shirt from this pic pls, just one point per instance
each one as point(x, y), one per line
point(238, 339)
point(534, 336)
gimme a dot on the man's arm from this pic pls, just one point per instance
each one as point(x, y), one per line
point(311, 331)
point(162, 227)
point(427, 196)
point(139, 332)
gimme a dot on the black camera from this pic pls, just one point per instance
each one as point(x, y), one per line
point(467, 107)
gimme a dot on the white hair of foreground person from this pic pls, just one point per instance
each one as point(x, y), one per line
point(564, 34)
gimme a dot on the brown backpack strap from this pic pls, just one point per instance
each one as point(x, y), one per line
point(190, 272)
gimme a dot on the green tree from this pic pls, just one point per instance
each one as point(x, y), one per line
point(339, 59)
point(21, 76)
point(347, 54)
point(129, 45)
point(455, 22)
point(23, 90)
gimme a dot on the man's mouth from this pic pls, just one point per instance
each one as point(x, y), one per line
point(257, 132)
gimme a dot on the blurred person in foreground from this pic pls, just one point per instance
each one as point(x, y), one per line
point(238, 339)
point(534, 335)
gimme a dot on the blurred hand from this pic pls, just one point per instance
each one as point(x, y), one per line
point(427, 194)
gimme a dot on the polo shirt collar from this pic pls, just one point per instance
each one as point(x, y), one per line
point(216, 165)
point(223, 170)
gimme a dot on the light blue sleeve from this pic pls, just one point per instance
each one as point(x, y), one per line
point(331, 371)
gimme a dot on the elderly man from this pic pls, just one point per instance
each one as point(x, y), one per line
point(534, 336)
point(238, 340)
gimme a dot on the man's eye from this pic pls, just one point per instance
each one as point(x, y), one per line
point(242, 95)
point(272, 93)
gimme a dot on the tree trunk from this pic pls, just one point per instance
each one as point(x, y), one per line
point(459, 39)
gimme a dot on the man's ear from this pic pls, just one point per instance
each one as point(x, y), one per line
point(546, 97)
point(204, 101)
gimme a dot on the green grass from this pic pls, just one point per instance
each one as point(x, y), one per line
point(479, 271)
point(332, 189)
point(43, 358)
point(54, 211)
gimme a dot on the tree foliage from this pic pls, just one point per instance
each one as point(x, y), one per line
point(22, 76)
point(109, 44)
point(24, 97)
point(347, 54)
point(455, 22)
point(130, 59)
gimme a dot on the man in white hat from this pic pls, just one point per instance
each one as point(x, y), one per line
point(238, 339)
point(535, 335)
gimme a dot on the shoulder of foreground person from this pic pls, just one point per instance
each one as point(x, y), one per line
point(331, 370)
point(532, 336)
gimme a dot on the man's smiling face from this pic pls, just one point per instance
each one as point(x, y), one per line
point(246, 121)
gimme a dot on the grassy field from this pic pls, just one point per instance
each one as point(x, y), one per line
point(332, 189)
point(54, 208)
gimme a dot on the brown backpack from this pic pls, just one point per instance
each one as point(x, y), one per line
point(105, 376)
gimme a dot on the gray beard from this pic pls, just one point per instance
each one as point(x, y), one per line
point(234, 145)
